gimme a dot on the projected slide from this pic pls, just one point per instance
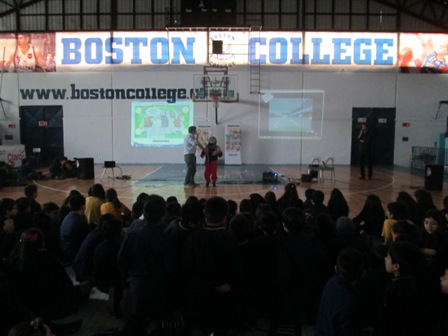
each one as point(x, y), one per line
point(159, 124)
point(294, 114)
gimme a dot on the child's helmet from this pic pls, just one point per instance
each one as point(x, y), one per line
point(212, 140)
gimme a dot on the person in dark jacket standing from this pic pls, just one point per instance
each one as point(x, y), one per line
point(365, 152)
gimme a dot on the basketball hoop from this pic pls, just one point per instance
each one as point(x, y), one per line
point(215, 85)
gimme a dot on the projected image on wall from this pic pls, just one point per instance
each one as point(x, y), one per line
point(159, 124)
point(290, 114)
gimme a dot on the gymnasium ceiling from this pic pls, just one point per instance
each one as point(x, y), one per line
point(432, 14)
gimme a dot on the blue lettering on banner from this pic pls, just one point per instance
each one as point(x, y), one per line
point(367, 50)
point(317, 58)
point(186, 51)
point(296, 55)
point(135, 43)
point(345, 51)
point(71, 54)
point(381, 52)
point(113, 50)
point(283, 46)
point(362, 56)
point(340, 51)
point(253, 42)
point(163, 47)
point(117, 52)
point(97, 45)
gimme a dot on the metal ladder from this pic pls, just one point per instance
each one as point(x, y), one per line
point(254, 68)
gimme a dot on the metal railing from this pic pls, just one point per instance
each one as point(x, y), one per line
point(422, 156)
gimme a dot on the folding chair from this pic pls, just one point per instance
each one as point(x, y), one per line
point(327, 165)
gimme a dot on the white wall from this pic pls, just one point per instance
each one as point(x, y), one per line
point(101, 128)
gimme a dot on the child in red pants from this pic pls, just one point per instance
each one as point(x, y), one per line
point(211, 152)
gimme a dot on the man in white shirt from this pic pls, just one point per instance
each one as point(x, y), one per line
point(190, 146)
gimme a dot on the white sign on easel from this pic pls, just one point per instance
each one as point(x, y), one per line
point(233, 144)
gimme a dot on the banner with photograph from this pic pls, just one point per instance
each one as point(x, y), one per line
point(233, 144)
point(28, 52)
point(423, 53)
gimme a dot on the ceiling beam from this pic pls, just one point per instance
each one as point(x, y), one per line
point(434, 12)
point(17, 7)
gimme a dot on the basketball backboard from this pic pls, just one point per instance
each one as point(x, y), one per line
point(208, 87)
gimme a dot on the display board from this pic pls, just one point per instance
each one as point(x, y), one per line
point(233, 144)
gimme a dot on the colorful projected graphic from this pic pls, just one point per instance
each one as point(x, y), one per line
point(159, 124)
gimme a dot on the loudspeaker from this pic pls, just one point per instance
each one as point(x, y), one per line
point(434, 177)
point(109, 164)
point(306, 178)
point(216, 47)
point(85, 168)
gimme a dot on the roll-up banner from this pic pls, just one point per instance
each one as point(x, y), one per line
point(233, 144)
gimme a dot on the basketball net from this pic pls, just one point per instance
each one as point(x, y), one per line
point(215, 97)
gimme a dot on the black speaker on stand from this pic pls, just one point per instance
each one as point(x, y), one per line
point(85, 168)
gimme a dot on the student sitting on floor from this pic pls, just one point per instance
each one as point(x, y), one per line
point(9, 177)
point(28, 173)
point(115, 207)
point(405, 299)
point(62, 168)
point(340, 310)
point(40, 280)
point(106, 275)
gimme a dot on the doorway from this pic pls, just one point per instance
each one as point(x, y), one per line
point(42, 127)
point(381, 123)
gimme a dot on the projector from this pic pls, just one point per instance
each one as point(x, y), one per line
point(270, 177)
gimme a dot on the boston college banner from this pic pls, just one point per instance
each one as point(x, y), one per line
point(133, 51)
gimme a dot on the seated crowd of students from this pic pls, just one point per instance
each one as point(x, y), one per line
point(217, 267)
